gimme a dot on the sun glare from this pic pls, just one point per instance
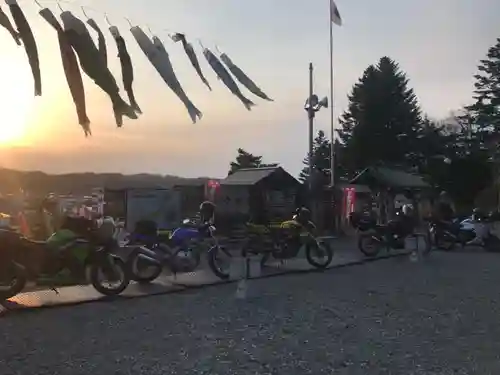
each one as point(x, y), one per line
point(16, 105)
point(13, 126)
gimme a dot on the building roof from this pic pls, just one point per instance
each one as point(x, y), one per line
point(249, 176)
point(389, 177)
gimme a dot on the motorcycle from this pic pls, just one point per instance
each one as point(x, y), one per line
point(445, 235)
point(283, 243)
point(475, 230)
point(75, 248)
point(372, 237)
point(181, 252)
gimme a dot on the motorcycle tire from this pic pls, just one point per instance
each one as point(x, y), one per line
point(178, 264)
point(95, 271)
point(377, 246)
point(310, 248)
point(135, 275)
point(213, 263)
point(19, 279)
point(442, 244)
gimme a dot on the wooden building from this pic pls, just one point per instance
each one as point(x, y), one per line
point(261, 194)
point(387, 183)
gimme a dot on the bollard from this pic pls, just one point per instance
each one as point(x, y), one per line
point(411, 244)
point(242, 287)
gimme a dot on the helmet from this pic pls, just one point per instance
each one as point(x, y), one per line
point(206, 205)
point(303, 214)
point(407, 209)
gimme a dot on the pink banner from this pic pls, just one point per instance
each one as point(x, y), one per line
point(349, 201)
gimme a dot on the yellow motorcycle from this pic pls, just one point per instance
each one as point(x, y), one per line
point(285, 242)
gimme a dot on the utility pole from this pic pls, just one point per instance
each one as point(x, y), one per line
point(310, 114)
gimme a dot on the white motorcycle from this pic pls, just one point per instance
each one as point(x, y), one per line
point(486, 229)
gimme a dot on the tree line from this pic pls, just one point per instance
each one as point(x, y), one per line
point(384, 125)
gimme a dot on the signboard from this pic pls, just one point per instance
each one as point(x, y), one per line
point(211, 188)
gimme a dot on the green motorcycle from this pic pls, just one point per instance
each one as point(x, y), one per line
point(77, 250)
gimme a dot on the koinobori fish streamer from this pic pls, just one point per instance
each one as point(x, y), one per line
point(71, 70)
point(158, 56)
point(80, 53)
point(191, 54)
point(26, 35)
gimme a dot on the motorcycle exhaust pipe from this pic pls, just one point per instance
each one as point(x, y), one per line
point(148, 259)
point(148, 255)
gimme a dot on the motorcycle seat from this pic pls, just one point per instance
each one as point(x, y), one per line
point(36, 242)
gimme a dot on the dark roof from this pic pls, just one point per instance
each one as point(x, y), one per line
point(390, 178)
point(249, 176)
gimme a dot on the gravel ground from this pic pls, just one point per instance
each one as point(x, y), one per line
point(386, 317)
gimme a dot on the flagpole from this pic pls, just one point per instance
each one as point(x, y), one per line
point(332, 130)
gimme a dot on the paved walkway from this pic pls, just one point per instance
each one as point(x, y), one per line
point(345, 253)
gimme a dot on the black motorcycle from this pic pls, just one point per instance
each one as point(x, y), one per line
point(372, 237)
point(475, 230)
point(445, 235)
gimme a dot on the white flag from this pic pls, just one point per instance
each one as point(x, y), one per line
point(334, 14)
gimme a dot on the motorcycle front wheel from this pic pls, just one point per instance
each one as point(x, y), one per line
point(12, 281)
point(319, 254)
point(114, 273)
point(216, 264)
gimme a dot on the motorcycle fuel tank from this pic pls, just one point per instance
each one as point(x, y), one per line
point(183, 234)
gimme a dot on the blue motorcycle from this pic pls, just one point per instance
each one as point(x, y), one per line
point(180, 252)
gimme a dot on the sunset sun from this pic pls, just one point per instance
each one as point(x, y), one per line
point(16, 106)
point(13, 126)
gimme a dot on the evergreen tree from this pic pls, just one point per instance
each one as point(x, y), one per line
point(485, 112)
point(320, 160)
point(245, 159)
point(382, 121)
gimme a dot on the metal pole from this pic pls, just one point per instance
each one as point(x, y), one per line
point(332, 130)
point(310, 113)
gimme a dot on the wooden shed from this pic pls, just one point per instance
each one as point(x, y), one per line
point(263, 194)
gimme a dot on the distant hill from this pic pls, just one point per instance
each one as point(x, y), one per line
point(37, 182)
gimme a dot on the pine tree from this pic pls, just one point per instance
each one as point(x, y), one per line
point(245, 159)
point(382, 121)
point(320, 160)
point(486, 109)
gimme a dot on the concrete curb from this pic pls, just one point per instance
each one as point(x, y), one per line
point(182, 288)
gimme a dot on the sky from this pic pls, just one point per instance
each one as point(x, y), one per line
point(437, 43)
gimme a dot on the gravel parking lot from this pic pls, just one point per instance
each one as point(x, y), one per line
point(386, 317)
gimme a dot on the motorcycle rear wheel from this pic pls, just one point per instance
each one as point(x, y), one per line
point(442, 243)
point(368, 245)
point(135, 270)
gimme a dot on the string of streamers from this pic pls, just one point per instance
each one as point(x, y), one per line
point(80, 54)
point(106, 16)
